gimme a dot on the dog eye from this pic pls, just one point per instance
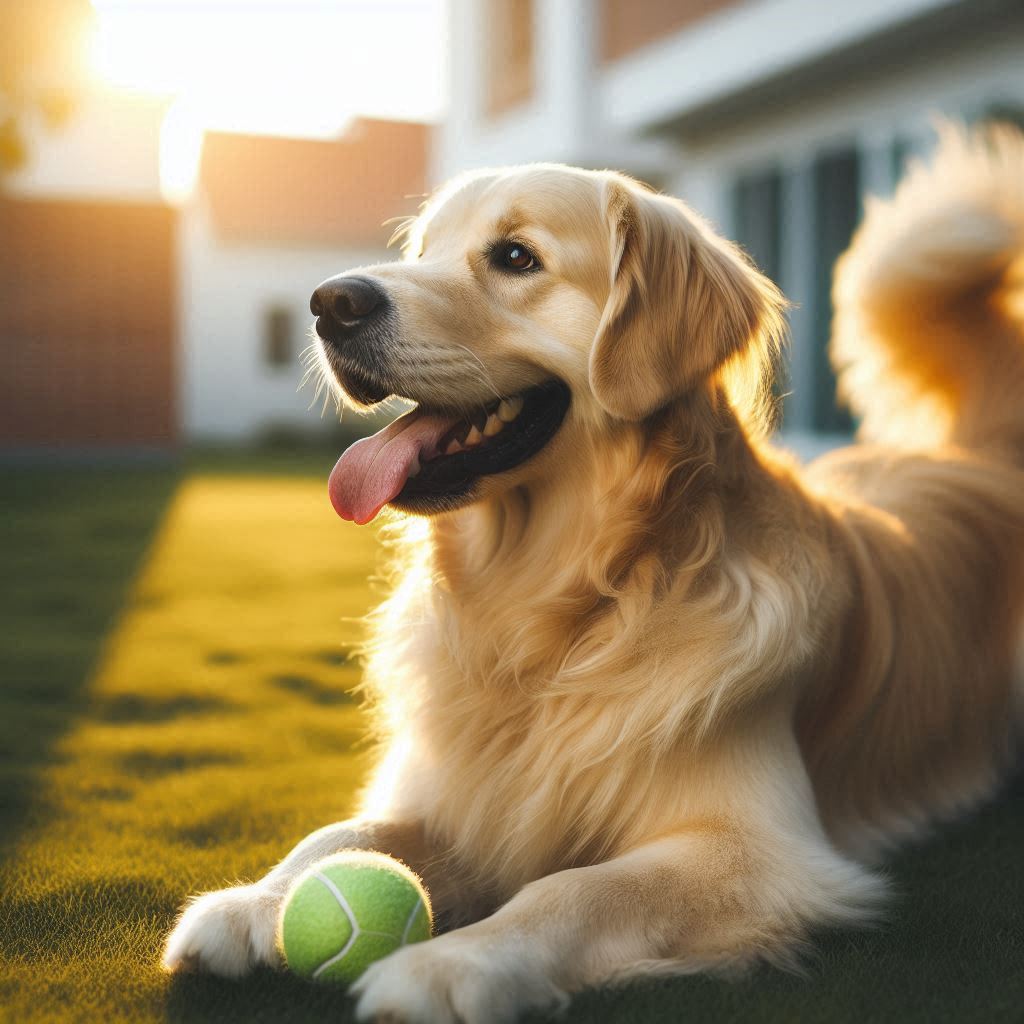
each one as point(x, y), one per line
point(515, 256)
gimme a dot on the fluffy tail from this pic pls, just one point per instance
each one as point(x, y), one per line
point(929, 328)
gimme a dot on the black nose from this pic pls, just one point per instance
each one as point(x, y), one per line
point(346, 301)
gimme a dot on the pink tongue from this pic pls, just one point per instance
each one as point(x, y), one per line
point(371, 472)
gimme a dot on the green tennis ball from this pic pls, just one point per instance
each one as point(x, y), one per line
point(349, 910)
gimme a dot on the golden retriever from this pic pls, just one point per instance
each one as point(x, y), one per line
point(653, 697)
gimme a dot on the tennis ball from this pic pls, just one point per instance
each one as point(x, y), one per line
point(349, 910)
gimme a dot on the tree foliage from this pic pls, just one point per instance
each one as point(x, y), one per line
point(42, 66)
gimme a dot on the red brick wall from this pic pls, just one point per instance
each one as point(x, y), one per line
point(87, 335)
point(627, 25)
point(510, 58)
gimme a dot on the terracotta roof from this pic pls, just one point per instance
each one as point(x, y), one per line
point(261, 188)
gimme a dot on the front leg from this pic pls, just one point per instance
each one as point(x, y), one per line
point(231, 931)
point(712, 894)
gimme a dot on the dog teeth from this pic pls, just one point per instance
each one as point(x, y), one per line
point(483, 426)
point(416, 467)
point(510, 408)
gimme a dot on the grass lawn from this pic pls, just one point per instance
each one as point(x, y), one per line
point(176, 712)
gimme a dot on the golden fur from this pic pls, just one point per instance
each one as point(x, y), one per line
point(659, 698)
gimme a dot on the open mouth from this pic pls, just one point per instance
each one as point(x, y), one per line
point(429, 461)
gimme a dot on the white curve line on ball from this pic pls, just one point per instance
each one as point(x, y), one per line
point(408, 923)
point(343, 903)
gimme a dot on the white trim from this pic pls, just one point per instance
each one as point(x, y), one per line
point(560, 121)
point(717, 58)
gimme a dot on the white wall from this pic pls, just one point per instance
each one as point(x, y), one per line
point(738, 47)
point(559, 122)
point(229, 392)
point(870, 110)
point(607, 116)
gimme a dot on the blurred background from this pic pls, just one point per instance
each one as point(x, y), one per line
point(179, 618)
point(177, 176)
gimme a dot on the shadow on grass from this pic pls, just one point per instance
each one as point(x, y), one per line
point(950, 948)
point(71, 541)
point(313, 690)
point(268, 996)
point(149, 764)
point(134, 708)
point(106, 916)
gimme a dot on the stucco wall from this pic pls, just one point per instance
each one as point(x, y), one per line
point(229, 392)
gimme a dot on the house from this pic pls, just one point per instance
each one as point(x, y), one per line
point(125, 321)
point(130, 323)
point(772, 117)
point(88, 344)
point(269, 220)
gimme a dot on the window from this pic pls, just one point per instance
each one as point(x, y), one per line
point(901, 152)
point(757, 214)
point(836, 185)
point(757, 225)
point(795, 220)
point(511, 44)
point(278, 334)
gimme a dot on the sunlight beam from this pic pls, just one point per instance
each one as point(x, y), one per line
point(301, 68)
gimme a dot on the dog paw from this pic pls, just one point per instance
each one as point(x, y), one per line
point(453, 980)
point(228, 932)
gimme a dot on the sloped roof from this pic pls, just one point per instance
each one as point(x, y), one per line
point(336, 192)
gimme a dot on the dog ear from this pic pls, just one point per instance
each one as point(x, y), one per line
point(683, 302)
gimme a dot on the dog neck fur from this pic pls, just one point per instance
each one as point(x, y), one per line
point(501, 651)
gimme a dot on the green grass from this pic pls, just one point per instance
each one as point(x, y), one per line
point(176, 710)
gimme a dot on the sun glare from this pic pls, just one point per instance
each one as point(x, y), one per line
point(299, 68)
point(181, 145)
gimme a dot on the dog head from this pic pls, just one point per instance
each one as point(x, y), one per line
point(532, 303)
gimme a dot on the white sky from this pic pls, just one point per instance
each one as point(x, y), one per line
point(290, 67)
